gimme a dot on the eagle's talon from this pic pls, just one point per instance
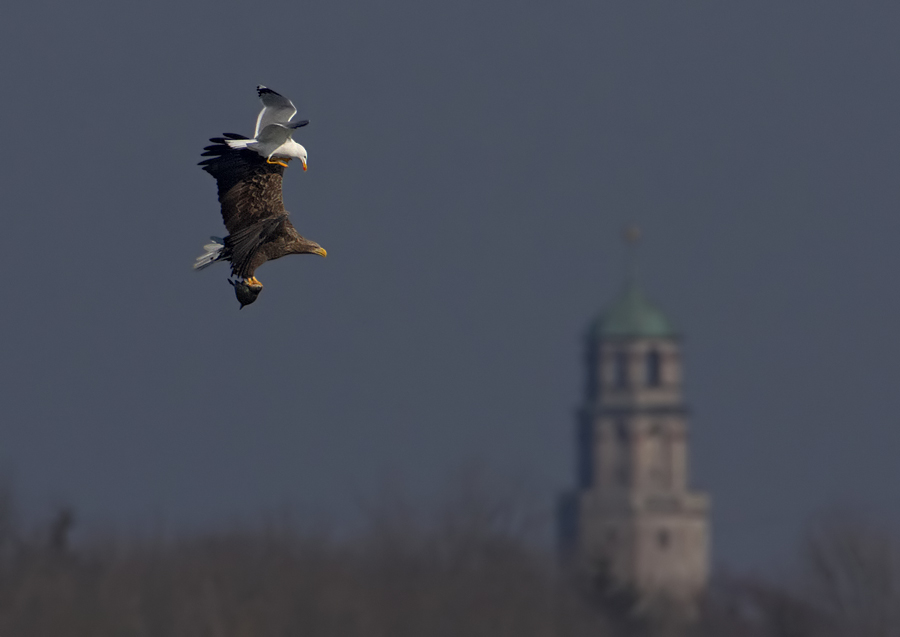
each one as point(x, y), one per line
point(277, 161)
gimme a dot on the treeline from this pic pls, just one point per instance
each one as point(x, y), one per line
point(469, 570)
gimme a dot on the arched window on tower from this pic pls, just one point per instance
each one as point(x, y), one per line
point(654, 371)
point(623, 437)
point(585, 453)
point(621, 369)
point(656, 455)
point(664, 538)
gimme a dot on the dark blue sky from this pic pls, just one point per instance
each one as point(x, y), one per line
point(471, 165)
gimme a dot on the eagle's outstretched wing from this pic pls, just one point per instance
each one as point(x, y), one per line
point(249, 187)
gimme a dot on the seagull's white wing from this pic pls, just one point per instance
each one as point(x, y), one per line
point(277, 109)
point(273, 135)
point(276, 134)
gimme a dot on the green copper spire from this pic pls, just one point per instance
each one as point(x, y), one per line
point(632, 315)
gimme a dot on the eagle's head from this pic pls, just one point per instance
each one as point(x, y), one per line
point(245, 294)
point(311, 247)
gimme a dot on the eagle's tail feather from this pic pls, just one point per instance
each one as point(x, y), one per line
point(213, 253)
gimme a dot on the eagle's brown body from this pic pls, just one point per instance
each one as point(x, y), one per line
point(253, 211)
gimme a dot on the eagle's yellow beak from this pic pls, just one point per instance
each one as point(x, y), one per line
point(320, 251)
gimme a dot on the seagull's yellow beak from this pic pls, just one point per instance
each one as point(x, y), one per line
point(304, 163)
point(320, 251)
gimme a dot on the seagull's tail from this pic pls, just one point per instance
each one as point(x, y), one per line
point(239, 143)
point(213, 253)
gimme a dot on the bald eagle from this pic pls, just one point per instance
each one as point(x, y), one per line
point(253, 210)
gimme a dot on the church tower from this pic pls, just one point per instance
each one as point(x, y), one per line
point(633, 514)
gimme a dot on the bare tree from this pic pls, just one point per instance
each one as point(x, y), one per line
point(853, 573)
point(465, 569)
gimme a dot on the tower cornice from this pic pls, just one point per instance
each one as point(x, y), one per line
point(594, 410)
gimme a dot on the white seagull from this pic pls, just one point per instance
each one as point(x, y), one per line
point(272, 137)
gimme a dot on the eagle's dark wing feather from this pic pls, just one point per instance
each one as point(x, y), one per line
point(249, 187)
point(242, 246)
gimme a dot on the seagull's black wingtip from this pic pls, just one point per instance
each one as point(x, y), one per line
point(262, 90)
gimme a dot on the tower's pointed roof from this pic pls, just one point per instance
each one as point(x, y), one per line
point(632, 314)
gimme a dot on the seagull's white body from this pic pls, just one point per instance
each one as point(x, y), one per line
point(274, 143)
point(272, 137)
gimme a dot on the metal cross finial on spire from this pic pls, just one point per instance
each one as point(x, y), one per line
point(632, 235)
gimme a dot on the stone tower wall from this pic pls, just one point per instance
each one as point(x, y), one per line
point(634, 514)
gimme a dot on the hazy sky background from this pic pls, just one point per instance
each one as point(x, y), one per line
point(471, 165)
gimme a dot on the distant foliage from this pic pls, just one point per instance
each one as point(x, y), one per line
point(469, 570)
